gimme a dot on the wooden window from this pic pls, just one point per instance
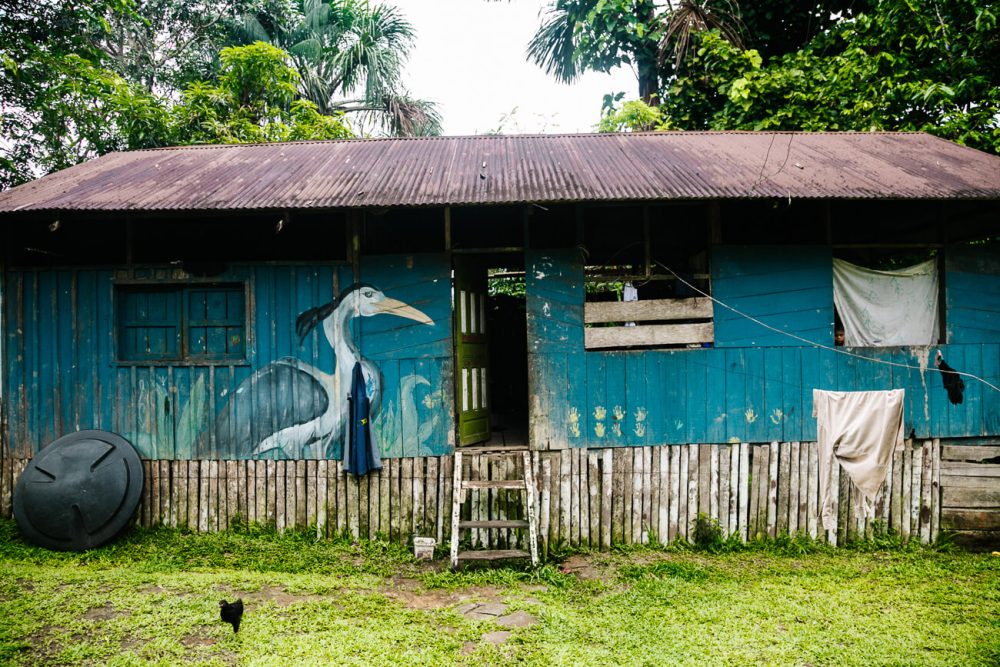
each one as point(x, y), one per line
point(656, 255)
point(181, 323)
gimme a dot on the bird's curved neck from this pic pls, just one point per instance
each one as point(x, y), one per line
point(337, 328)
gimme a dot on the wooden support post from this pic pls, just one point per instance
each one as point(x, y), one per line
point(455, 507)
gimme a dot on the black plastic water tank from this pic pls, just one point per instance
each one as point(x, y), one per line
point(79, 492)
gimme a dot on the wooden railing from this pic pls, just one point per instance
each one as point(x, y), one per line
point(672, 311)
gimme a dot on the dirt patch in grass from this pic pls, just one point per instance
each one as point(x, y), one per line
point(411, 594)
point(102, 613)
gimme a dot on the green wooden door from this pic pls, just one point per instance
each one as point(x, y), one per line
point(472, 394)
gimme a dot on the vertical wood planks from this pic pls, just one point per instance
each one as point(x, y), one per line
point(593, 498)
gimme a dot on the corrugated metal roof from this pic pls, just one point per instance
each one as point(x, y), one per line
point(513, 169)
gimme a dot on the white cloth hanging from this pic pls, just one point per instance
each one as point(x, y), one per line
point(630, 293)
point(880, 308)
point(859, 431)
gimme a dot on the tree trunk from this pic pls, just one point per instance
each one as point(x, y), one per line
point(649, 83)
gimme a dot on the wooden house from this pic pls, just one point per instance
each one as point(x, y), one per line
point(209, 304)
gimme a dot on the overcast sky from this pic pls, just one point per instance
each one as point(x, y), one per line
point(469, 58)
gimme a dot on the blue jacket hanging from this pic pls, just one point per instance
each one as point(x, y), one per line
point(360, 457)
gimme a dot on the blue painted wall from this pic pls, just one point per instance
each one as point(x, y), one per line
point(787, 287)
point(61, 374)
point(972, 281)
point(734, 392)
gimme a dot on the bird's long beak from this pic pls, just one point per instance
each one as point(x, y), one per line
point(400, 309)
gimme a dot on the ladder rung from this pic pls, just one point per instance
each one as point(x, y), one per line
point(499, 523)
point(493, 484)
point(492, 555)
point(482, 449)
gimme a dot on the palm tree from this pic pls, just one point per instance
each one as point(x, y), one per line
point(580, 35)
point(350, 55)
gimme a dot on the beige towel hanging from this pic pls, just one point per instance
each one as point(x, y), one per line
point(859, 430)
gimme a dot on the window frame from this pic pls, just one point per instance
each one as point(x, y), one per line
point(183, 290)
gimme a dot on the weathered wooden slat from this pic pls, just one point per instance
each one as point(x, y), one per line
point(756, 476)
point(485, 536)
point(224, 498)
point(662, 509)
point(456, 504)
point(925, 493)
point(156, 505)
point(843, 504)
point(970, 519)
point(803, 507)
point(794, 488)
point(321, 498)
point(745, 492)
point(395, 511)
point(595, 338)
point(784, 486)
point(311, 492)
point(733, 484)
point(896, 502)
point(555, 497)
point(607, 484)
point(594, 497)
point(494, 484)
point(300, 494)
point(704, 479)
point(648, 480)
point(544, 469)
point(694, 474)
point(674, 494)
point(419, 474)
point(772, 490)
point(813, 506)
point(431, 493)
point(885, 497)
point(246, 491)
point(232, 494)
point(204, 494)
point(713, 482)
point(271, 483)
point(332, 484)
point(682, 491)
point(956, 497)
point(971, 469)
point(146, 504)
point(6, 485)
point(178, 493)
point(493, 554)
point(353, 518)
point(193, 484)
point(915, 489)
point(970, 453)
point(281, 519)
point(447, 476)
point(621, 504)
point(635, 531)
point(936, 490)
point(659, 310)
point(343, 523)
point(906, 473)
point(722, 454)
point(565, 501)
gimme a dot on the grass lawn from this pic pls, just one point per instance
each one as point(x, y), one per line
point(153, 599)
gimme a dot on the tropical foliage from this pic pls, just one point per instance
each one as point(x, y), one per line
point(350, 56)
point(80, 79)
point(788, 65)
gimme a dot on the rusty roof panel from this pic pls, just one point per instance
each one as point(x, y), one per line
point(514, 169)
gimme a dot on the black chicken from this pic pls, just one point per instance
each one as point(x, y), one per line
point(952, 381)
point(231, 612)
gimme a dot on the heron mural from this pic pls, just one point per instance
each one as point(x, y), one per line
point(300, 411)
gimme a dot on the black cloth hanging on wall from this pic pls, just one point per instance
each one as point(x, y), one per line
point(361, 457)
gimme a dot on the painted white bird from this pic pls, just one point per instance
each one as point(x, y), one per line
point(294, 405)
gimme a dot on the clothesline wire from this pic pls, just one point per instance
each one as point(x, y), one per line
point(814, 343)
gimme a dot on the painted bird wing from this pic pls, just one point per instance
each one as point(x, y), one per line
point(285, 393)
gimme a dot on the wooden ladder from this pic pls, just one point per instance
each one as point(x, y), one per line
point(461, 485)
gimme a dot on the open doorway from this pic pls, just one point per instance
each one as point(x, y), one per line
point(491, 354)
